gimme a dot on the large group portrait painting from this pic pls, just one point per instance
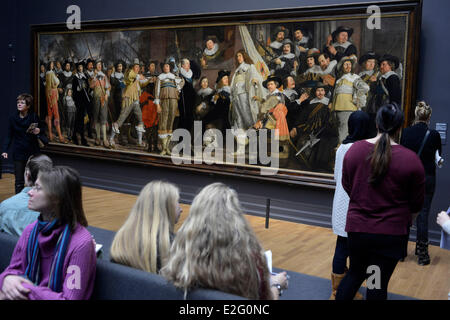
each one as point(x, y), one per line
point(129, 90)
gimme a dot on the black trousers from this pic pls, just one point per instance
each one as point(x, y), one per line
point(79, 120)
point(422, 218)
point(379, 252)
point(340, 255)
point(19, 172)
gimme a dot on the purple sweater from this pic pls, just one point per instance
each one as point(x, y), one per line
point(388, 207)
point(79, 265)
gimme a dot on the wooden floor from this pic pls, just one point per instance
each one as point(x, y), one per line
point(296, 247)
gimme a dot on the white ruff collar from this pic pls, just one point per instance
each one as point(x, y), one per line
point(324, 101)
point(314, 69)
point(330, 67)
point(165, 76)
point(276, 45)
point(388, 74)
point(100, 74)
point(349, 76)
point(213, 51)
point(225, 88)
point(204, 92)
point(67, 74)
point(80, 75)
point(344, 45)
point(304, 40)
point(274, 92)
point(289, 92)
point(367, 72)
point(118, 75)
point(186, 74)
point(288, 56)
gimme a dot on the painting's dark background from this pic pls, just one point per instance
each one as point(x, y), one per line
point(295, 203)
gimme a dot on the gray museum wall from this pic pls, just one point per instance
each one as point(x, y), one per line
point(293, 203)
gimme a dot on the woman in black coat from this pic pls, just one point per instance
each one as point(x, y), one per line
point(22, 137)
point(413, 138)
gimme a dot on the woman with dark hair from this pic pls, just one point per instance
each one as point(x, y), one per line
point(357, 130)
point(22, 137)
point(55, 258)
point(385, 182)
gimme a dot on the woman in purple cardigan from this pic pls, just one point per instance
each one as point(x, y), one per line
point(54, 258)
point(385, 182)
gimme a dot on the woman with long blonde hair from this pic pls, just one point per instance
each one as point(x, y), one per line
point(144, 240)
point(426, 142)
point(216, 248)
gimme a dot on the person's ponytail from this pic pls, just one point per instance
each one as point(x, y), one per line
point(381, 158)
point(389, 119)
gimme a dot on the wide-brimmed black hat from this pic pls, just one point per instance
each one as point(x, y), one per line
point(280, 29)
point(288, 41)
point(68, 62)
point(80, 62)
point(320, 85)
point(272, 78)
point(390, 58)
point(342, 29)
point(212, 37)
point(302, 28)
point(367, 56)
point(124, 65)
point(221, 74)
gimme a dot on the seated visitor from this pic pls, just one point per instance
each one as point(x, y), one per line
point(14, 212)
point(54, 259)
point(144, 240)
point(216, 248)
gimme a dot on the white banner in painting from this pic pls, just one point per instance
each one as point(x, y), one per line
point(249, 47)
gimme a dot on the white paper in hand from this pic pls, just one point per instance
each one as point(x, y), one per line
point(268, 255)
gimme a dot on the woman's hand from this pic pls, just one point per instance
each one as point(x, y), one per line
point(5, 155)
point(13, 288)
point(36, 131)
point(442, 218)
point(281, 279)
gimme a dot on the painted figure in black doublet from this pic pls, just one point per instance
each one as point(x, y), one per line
point(80, 87)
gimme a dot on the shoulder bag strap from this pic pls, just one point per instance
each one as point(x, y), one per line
point(423, 143)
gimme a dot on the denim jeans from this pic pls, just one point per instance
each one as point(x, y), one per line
point(422, 218)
